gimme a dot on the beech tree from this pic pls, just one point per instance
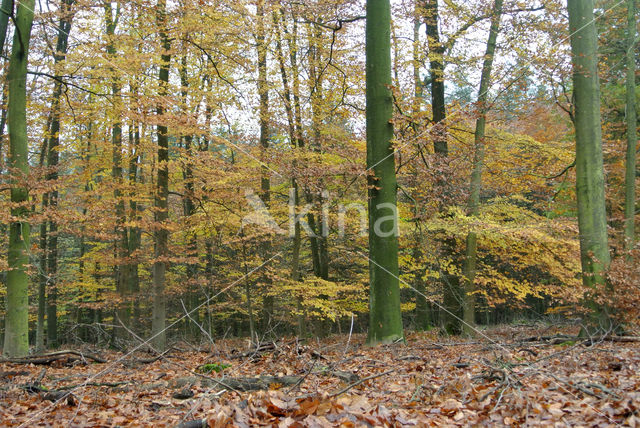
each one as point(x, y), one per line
point(385, 321)
point(16, 336)
point(6, 7)
point(592, 221)
point(471, 254)
point(161, 215)
point(47, 292)
point(632, 138)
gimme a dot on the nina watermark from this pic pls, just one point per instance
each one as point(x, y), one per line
point(385, 225)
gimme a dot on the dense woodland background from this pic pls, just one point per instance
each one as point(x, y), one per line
point(150, 123)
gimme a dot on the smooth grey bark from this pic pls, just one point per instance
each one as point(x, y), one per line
point(16, 335)
point(592, 221)
point(632, 137)
point(263, 112)
point(6, 10)
point(385, 317)
point(161, 214)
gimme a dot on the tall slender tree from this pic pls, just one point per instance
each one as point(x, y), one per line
point(471, 253)
point(6, 10)
point(16, 336)
point(263, 112)
point(49, 237)
point(632, 138)
point(385, 318)
point(592, 221)
point(121, 239)
point(450, 283)
point(436, 76)
point(161, 214)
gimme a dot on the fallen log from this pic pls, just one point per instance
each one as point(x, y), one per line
point(236, 383)
point(561, 338)
point(265, 347)
point(197, 423)
point(618, 339)
point(556, 337)
point(45, 359)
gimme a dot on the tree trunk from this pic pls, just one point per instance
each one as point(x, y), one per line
point(16, 338)
point(121, 242)
point(385, 318)
point(294, 191)
point(43, 278)
point(417, 83)
point(592, 222)
point(135, 234)
point(265, 182)
point(316, 219)
point(161, 214)
point(450, 284)
point(422, 319)
point(53, 156)
point(632, 138)
point(6, 10)
point(471, 253)
point(436, 74)
point(42, 283)
point(3, 122)
point(188, 210)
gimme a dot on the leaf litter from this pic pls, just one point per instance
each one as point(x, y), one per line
point(514, 379)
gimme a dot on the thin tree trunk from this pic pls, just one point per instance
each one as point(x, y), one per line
point(385, 320)
point(452, 294)
point(592, 221)
point(161, 214)
point(317, 221)
point(42, 266)
point(265, 182)
point(16, 337)
point(247, 291)
point(121, 243)
point(6, 10)
point(294, 192)
point(134, 217)
point(422, 319)
point(471, 253)
point(417, 83)
point(53, 157)
point(3, 122)
point(189, 208)
point(436, 74)
point(632, 138)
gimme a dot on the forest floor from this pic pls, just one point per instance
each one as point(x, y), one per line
point(513, 376)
